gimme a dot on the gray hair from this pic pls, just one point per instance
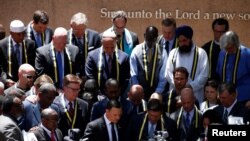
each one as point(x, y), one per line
point(79, 18)
point(119, 14)
point(229, 37)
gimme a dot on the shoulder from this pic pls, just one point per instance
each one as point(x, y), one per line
point(43, 48)
point(4, 41)
point(92, 32)
point(206, 45)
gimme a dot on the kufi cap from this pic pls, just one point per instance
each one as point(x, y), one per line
point(17, 26)
point(184, 30)
point(109, 34)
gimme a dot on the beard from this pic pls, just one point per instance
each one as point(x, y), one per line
point(185, 48)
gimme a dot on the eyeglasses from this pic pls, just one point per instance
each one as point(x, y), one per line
point(73, 89)
point(29, 76)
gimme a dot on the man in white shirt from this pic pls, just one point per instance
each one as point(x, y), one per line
point(190, 56)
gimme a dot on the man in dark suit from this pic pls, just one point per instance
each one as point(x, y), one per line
point(105, 128)
point(112, 90)
point(38, 30)
point(168, 40)
point(188, 117)
point(212, 48)
point(126, 39)
point(14, 51)
point(12, 109)
point(84, 38)
point(229, 104)
point(145, 125)
point(47, 130)
point(58, 59)
point(73, 111)
point(32, 111)
point(108, 62)
point(133, 105)
point(2, 32)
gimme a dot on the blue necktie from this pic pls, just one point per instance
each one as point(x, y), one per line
point(225, 115)
point(151, 131)
point(38, 40)
point(187, 120)
point(113, 132)
point(167, 46)
point(18, 55)
point(60, 68)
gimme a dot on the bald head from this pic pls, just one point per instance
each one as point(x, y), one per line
point(60, 39)
point(136, 94)
point(187, 99)
point(26, 68)
point(151, 35)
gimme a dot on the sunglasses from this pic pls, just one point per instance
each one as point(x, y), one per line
point(30, 76)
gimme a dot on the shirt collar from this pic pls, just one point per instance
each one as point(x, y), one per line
point(230, 108)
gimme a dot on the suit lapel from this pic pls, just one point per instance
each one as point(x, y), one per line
point(104, 128)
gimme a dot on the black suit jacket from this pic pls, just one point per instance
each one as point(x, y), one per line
point(238, 110)
point(48, 34)
point(93, 41)
point(42, 135)
point(135, 126)
point(195, 128)
point(92, 64)
point(44, 63)
point(4, 58)
point(97, 131)
point(82, 117)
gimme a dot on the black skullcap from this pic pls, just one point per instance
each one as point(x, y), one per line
point(184, 30)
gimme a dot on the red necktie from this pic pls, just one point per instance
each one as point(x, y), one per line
point(71, 110)
point(53, 136)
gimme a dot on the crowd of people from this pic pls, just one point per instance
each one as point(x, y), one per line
point(80, 84)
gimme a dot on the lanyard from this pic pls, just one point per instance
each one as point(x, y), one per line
point(67, 113)
point(145, 63)
point(100, 66)
point(210, 58)
point(196, 117)
point(144, 122)
point(85, 43)
point(236, 63)
point(195, 62)
point(54, 61)
point(169, 100)
point(9, 55)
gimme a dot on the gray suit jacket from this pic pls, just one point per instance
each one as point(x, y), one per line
point(41, 134)
point(10, 129)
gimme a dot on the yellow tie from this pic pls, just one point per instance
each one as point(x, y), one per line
point(150, 54)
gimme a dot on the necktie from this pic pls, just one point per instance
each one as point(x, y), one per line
point(187, 120)
point(150, 54)
point(225, 115)
point(38, 40)
point(60, 69)
point(113, 132)
point(110, 64)
point(52, 136)
point(18, 55)
point(167, 46)
point(151, 131)
point(71, 110)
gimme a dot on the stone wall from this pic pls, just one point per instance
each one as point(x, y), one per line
point(197, 13)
